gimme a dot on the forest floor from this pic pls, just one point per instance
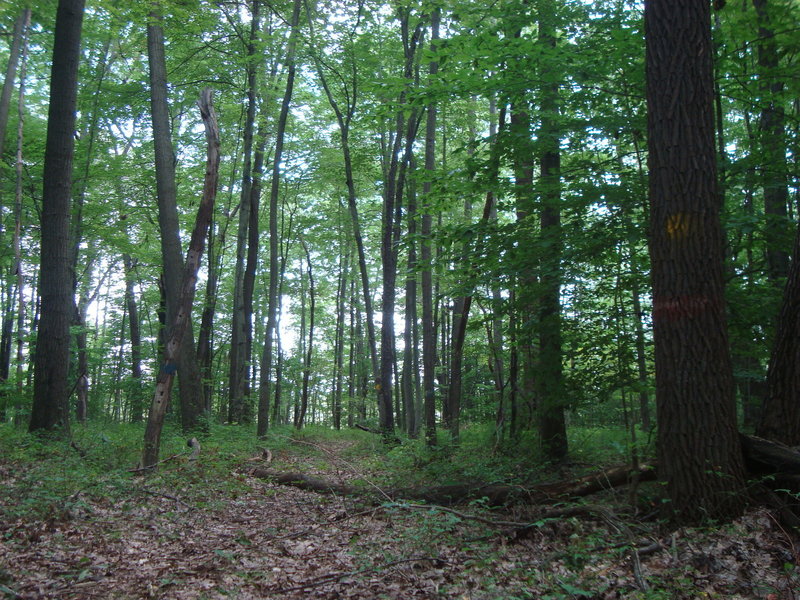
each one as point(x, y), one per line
point(206, 529)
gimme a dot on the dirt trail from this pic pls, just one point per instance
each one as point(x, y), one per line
point(263, 540)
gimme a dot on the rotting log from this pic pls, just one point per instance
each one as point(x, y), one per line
point(447, 495)
point(762, 458)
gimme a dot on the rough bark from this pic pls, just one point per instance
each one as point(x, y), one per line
point(780, 419)
point(51, 366)
point(694, 379)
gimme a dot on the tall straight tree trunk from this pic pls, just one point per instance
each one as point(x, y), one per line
point(300, 416)
point(405, 131)
point(206, 332)
point(344, 120)
point(190, 389)
point(135, 392)
point(694, 378)
point(552, 423)
point(82, 384)
point(241, 329)
point(772, 148)
point(18, 40)
point(177, 337)
point(251, 265)
point(51, 367)
point(410, 349)
point(338, 357)
point(18, 168)
point(426, 260)
point(265, 385)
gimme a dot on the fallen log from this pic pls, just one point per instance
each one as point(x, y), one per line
point(762, 457)
point(765, 457)
point(448, 495)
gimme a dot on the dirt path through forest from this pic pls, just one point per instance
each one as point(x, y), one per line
point(263, 540)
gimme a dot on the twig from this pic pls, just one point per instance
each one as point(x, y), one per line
point(337, 577)
point(139, 469)
point(462, 515)
point(163, 495)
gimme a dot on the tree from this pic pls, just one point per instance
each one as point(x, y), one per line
point(428, 328)
point(172, 348)
point(552, 423)
point(51, 366)
point(191, 391)
point(694, 379)
point(265, 385)
point(17, 39)
point(241, 326)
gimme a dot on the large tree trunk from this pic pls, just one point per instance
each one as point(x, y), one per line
point(191, 389)
point(552, 423)
point(265, 384)
point(172, 348)
point(780, 420)
point(700, 456)
point(51, 366)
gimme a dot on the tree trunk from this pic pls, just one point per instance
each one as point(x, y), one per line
point(172, 349)
point(391, 219)
point(694, 379)
point(18, 168)
point(241, 328)
point(641, 359)
point(773, 149)
point(18, 40)
point(338, 356)
point(428, 329)
point(265, 384)
point(344, 119)
point(51, 367)
point(312, 297)
point(410, 374)
point(552, 423)
point(191, 390)
point(135, 392)
point(206, 332)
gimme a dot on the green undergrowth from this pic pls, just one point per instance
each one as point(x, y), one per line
point(478, 458)
point(45, 477)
